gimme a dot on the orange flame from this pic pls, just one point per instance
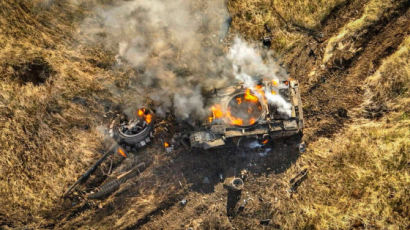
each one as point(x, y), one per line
point(140, 112)
point(146, 116)
point(265, 141)
point(121, 152)
point(239, 100)
point(252, 121)
point(166, 144)
point(234, 120)
point(217, 111)
point(250, 97)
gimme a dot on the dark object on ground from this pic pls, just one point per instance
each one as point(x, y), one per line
point(112, 186)
point(234, 195)
point(302, 147)
point(342, 112)
point(297, 180)
point(242, 206)
point(183, 202)
point(36, 71)
point(85, 176)
point(265, 222)
point(133, 132)
point(267, 42)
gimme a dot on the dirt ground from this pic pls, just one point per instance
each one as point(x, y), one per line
point(357, 135)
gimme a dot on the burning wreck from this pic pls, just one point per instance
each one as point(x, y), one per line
point(268, 110)
point(133, 133)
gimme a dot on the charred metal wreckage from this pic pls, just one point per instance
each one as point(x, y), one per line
point(124, 135)
point(269, 109)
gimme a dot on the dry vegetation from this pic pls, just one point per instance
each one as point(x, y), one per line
point(286, 22)
point(46, 135)
point(53, 91)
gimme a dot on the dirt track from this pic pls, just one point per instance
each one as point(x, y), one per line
point(337, 87)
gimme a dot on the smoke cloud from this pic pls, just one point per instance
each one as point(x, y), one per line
point(177, 51)
point(249, 67)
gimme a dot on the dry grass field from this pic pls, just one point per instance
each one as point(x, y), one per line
point(351, 57)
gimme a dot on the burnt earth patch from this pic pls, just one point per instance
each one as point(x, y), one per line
point(36, 71)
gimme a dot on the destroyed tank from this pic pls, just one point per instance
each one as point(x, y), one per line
point(268, 110)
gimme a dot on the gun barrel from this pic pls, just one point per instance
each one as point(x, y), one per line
point(91, 169)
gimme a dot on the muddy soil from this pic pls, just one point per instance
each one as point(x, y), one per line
point(332, 91)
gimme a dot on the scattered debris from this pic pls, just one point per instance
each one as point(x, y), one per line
point(242, 206)
point(168, 148)
point(85, 176)
point(265, 222)
point(113, 185)
point(221, 177)
point(375, 111)
point(244, 174)
point(302, 147)
point(267, 42)
point(183, 202)
point(297, 180)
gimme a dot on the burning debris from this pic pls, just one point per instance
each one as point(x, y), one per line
point(135, 132)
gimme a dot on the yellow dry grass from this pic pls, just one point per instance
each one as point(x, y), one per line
point(392, 79)
point(251, 19)
point(309, 14)
point(44, 142)
point(373, 11)
point(360, 177)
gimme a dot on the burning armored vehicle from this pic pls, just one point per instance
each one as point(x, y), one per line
point(268, 110)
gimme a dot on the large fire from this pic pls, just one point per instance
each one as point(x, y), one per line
point(243, 110)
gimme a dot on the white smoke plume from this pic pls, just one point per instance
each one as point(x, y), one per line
point(249, 67)
point(175, 50)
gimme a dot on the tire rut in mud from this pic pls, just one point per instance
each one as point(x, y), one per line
point(338, 87)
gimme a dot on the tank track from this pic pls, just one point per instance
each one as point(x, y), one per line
point(112, 186)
